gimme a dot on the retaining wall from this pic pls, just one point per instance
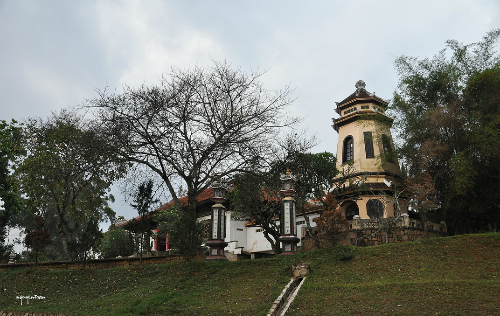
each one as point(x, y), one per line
point(370, 237)
point(96, 263)
point(29, 314)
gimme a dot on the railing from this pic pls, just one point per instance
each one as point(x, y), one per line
point(403, 221)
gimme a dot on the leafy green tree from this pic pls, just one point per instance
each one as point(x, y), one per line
point(11, 150)
point(315, 172)
point(170, 222)
point(447, 115)
point(256, 196)
point(81, 246)
point(144, 200)
point(116, 243)
point(194, 126)
point(67, 172)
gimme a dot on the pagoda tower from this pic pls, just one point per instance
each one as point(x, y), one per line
point(366, 157)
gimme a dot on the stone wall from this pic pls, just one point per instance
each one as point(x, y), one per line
point(370, 233)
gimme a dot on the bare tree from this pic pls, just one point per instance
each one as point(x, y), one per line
point(194, 125)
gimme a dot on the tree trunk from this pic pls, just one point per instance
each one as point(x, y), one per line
point(274, 241)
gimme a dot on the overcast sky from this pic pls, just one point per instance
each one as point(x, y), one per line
point(54, 54)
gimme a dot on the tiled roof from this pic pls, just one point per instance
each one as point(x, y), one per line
point(361, 93)
point(207, 194)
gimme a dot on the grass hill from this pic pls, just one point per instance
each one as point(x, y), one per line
point(457, 275)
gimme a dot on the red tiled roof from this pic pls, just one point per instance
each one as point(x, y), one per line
point(207, 194)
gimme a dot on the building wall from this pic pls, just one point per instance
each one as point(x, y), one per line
point(360, 162)
point(250, 239)
point(236, 235)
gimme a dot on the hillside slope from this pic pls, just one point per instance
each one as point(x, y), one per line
point(442, 276)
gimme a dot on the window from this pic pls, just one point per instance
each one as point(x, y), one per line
point(354, 109)
point(389, 153)
point(348, 150)
point(258, 230)
point(369, 145)
point(375, 208)
point(301, 222)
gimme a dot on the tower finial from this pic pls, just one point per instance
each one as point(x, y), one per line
point(360, 85)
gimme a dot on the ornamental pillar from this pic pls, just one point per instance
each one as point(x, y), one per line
point(218, 222)
point(288, 222)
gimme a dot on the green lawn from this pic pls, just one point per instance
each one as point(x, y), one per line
point(441, 276)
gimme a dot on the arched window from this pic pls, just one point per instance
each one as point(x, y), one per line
point(348, 150)
point(375, 208)
point(351, 210)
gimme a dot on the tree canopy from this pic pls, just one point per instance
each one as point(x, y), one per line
point(67, 173)
point(448, 118)
point(11, 150)
point(116, 242)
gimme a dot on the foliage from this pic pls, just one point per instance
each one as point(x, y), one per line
point(68, 171)
point(331, 222)
point(256, 197)
point(143, 200)
point(422, 196)
point(448, 116)
point(195, 125)
point(11, 150)
point(116, 243)
point(81, 246)
point(314, 171)
point(37, 239)
point(170, 222)
point(452, 275)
